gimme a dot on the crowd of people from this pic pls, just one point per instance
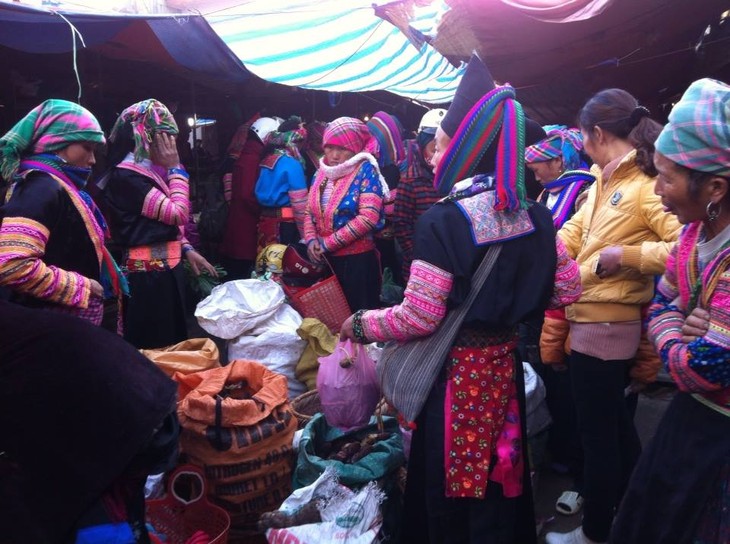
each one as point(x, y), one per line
point(620, 265)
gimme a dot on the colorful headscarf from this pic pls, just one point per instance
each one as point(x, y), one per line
point(352, 134)
point(562, 142)
point(697, 135)
point(288, 143)
point(386, 129)
point(146, 117)
point(49, 127)
point(496, 115)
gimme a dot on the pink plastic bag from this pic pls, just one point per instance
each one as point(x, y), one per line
point(348, 386)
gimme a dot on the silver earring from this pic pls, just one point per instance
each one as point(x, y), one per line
point(713, 214)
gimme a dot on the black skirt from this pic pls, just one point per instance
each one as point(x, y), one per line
point(359, 277)
point(154, 314)
point(675, 476)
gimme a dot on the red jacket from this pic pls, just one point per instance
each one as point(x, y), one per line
point(239, 239)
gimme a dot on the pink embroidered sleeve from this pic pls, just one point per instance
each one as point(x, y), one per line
point(370, 205)
point(22, 247)
point(421, 311)
point(172, 210)
point(567, 279)
point(298, 199)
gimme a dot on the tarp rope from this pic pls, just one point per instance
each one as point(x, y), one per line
point(74, 33)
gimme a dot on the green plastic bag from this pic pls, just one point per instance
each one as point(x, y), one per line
point(390, 293)
point(386, 456)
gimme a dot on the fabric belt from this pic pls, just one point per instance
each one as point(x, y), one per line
point(285, 212)
point(482, 338)
point(153, 257)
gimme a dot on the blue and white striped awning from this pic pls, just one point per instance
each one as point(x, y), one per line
point(337, 45)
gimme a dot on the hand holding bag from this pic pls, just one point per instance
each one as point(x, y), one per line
point(408, 370)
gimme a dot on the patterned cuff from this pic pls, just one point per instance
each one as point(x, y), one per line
point(186, 248)
point(357, 329)
point(177, 171)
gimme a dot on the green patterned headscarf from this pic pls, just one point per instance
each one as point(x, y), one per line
point(49, 127)
point(697, 135)
point(146, 117)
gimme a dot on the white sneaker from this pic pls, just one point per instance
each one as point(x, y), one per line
point(573, 537)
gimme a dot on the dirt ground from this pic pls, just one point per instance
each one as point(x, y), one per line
point(652, 404)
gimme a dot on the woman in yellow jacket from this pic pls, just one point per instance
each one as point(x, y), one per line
point(620, 238)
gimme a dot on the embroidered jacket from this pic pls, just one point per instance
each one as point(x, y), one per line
point(143, 208)
point(441, 273)
point(702, 366)
point(49, 251)
point(354, 211)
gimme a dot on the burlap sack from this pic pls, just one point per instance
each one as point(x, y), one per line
point(186, 357)
point(237, 424)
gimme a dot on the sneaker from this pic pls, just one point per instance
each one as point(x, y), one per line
point(569, 503)
point(575, 536)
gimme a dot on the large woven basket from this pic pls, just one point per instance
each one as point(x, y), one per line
point(324, 300)
point(178, 518)
point(305, 406)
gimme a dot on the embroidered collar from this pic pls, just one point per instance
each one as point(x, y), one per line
point(476, 201)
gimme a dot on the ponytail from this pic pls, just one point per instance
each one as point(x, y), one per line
point(619, 113)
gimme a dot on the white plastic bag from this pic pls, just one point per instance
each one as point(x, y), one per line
point(538, 415)
point(154, 487)
point(235, 307)
point(348, 517)
point(275, 344)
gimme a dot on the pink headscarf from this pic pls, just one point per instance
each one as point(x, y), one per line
point(351, 134)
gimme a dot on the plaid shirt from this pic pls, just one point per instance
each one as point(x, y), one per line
point(413, 198)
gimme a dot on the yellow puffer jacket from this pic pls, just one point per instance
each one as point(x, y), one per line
point(622, 212)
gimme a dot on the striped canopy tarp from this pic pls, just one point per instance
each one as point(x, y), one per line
point(337, 45)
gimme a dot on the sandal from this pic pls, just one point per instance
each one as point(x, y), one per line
point(569, 503)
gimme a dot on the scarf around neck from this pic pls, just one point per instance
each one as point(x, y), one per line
point(343, 169)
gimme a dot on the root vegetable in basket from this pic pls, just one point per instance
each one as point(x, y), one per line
point(347, 451)
point(353, 451)
point(308, 513)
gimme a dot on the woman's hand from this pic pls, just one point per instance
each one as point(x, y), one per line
point(96, 289)
point(314, 250)
point(163, 151)
point(609, 261)
point(696, 325)
point(199, 263)
point(346, 331)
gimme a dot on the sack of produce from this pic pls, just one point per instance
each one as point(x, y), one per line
point(237, 424)
point(186, 357)
point(358, 457)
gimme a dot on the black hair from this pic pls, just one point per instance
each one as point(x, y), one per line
point(616, 111)
point(122, 145)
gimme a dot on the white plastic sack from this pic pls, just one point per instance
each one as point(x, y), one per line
point(538, 415)
point(348, 517)
point(235, 307)
point(275, 344)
